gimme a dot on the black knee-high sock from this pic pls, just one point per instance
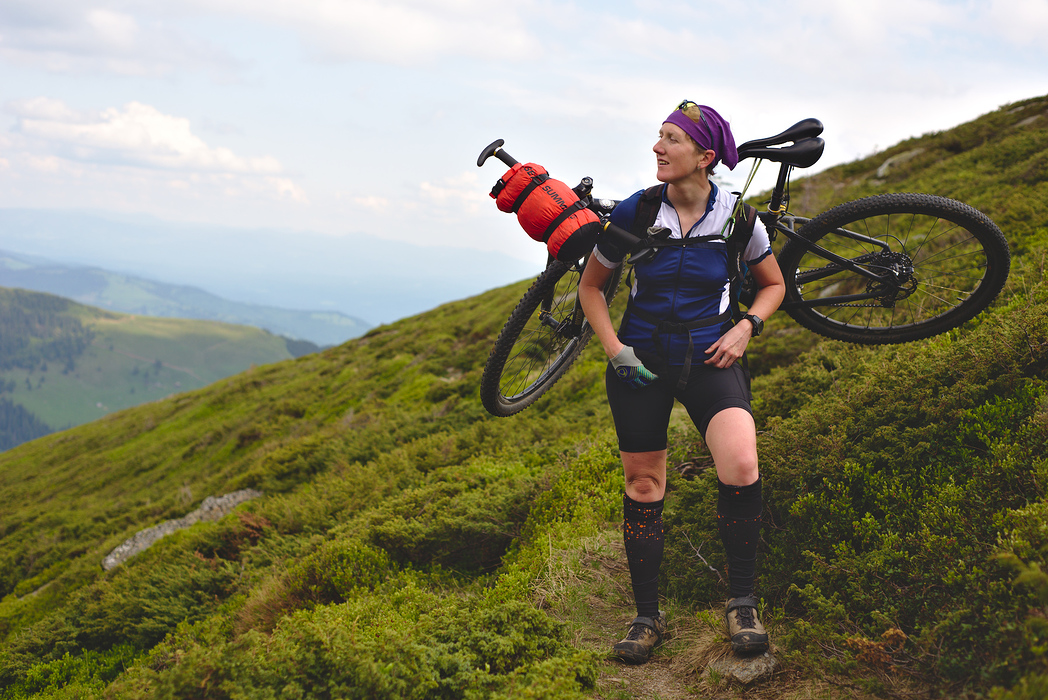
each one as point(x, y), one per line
point(739, 522)
point(642, 533)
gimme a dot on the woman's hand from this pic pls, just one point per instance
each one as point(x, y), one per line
point(770, 290)
point(730, 346)
point(630, 369)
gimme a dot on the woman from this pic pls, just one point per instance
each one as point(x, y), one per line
point(686, 288)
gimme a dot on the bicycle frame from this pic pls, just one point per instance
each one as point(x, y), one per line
point(786, 225)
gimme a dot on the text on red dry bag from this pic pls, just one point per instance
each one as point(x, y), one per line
point(548, 210)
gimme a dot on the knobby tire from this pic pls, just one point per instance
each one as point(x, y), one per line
point(952, 259)
point(530, 355)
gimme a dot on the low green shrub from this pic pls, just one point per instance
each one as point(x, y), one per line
point(400, 642)
point(693, 565)
point(465, 520)
point(1032, 687)
point(184, 577)
point(587, 486)
point(904, 501)
point(72, 676)
point(333, 572)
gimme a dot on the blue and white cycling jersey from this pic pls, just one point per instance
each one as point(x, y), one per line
point(682, 284)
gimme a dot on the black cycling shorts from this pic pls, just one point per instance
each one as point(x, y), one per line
point(642, 416)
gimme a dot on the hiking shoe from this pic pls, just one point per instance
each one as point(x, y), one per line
point(645, 634)
point(747, 634)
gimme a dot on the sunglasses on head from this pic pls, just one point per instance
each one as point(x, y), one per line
point(689, 108)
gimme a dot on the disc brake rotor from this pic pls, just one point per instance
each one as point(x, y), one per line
point(901, 284)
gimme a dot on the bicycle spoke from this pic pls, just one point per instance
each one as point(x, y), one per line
point(542, 338)
point(923, 258)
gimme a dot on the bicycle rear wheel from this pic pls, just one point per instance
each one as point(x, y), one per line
point(941, 262)
point(540, 341)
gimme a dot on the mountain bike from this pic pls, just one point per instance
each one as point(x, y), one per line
point(883, 269)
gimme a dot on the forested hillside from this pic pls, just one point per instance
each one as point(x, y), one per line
point(408, 545)
point(64, 364)
point(18, 425)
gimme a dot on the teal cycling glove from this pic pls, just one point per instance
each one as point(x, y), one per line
point(631, 370)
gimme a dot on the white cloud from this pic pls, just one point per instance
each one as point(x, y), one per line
point(463, 194)
point(149, 38)
point(383, 104)
point(287, 189)
point(135, 156)
point(1021, 21)
point(136, 135)
point(51, 165)
point(399, 32)
point(65, 36)
point(373, 202)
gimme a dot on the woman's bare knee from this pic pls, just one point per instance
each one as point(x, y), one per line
point(732, 439)
point(645, 475)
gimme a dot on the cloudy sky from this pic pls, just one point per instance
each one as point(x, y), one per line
point(338, 117)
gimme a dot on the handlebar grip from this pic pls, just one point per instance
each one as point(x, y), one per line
point(495, 149)
point(620, 237)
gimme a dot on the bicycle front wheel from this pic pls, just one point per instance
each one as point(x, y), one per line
point(915, 265)
point(540, 341)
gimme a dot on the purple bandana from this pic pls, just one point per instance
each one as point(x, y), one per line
point(713, 134)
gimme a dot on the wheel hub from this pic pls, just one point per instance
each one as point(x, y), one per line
point(900, 280)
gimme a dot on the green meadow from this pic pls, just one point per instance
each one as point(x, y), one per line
point(408, 545)
point(128, 359)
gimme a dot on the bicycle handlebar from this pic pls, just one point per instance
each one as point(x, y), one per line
point(638, 249)
point(495, 149)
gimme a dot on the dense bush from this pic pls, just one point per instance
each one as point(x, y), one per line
point(404, 643)
point(895, 482)
point(466, 522)
point(333, 572)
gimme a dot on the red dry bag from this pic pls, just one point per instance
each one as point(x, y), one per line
point(548, 210)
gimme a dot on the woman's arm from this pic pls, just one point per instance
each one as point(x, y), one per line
point(771, 288)
point(591, 294)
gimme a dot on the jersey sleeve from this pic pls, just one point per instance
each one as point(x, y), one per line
point(759, 246)
point(622, 216)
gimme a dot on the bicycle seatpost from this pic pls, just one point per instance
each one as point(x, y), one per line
point(495, 149)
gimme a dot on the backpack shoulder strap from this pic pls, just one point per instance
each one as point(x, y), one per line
point(741, 233)
point(647, 210)
point(742, 229)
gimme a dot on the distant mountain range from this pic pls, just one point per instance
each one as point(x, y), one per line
point(363, 276)
point(127, 293)
point(64, 364)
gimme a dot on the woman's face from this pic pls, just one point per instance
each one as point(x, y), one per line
point(677, 154)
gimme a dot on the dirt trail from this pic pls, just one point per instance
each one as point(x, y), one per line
point(590, 592)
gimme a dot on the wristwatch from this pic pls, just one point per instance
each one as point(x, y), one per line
point(758, 324)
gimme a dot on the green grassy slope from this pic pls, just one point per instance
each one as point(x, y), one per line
point(409, 545)
point(130, 360)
